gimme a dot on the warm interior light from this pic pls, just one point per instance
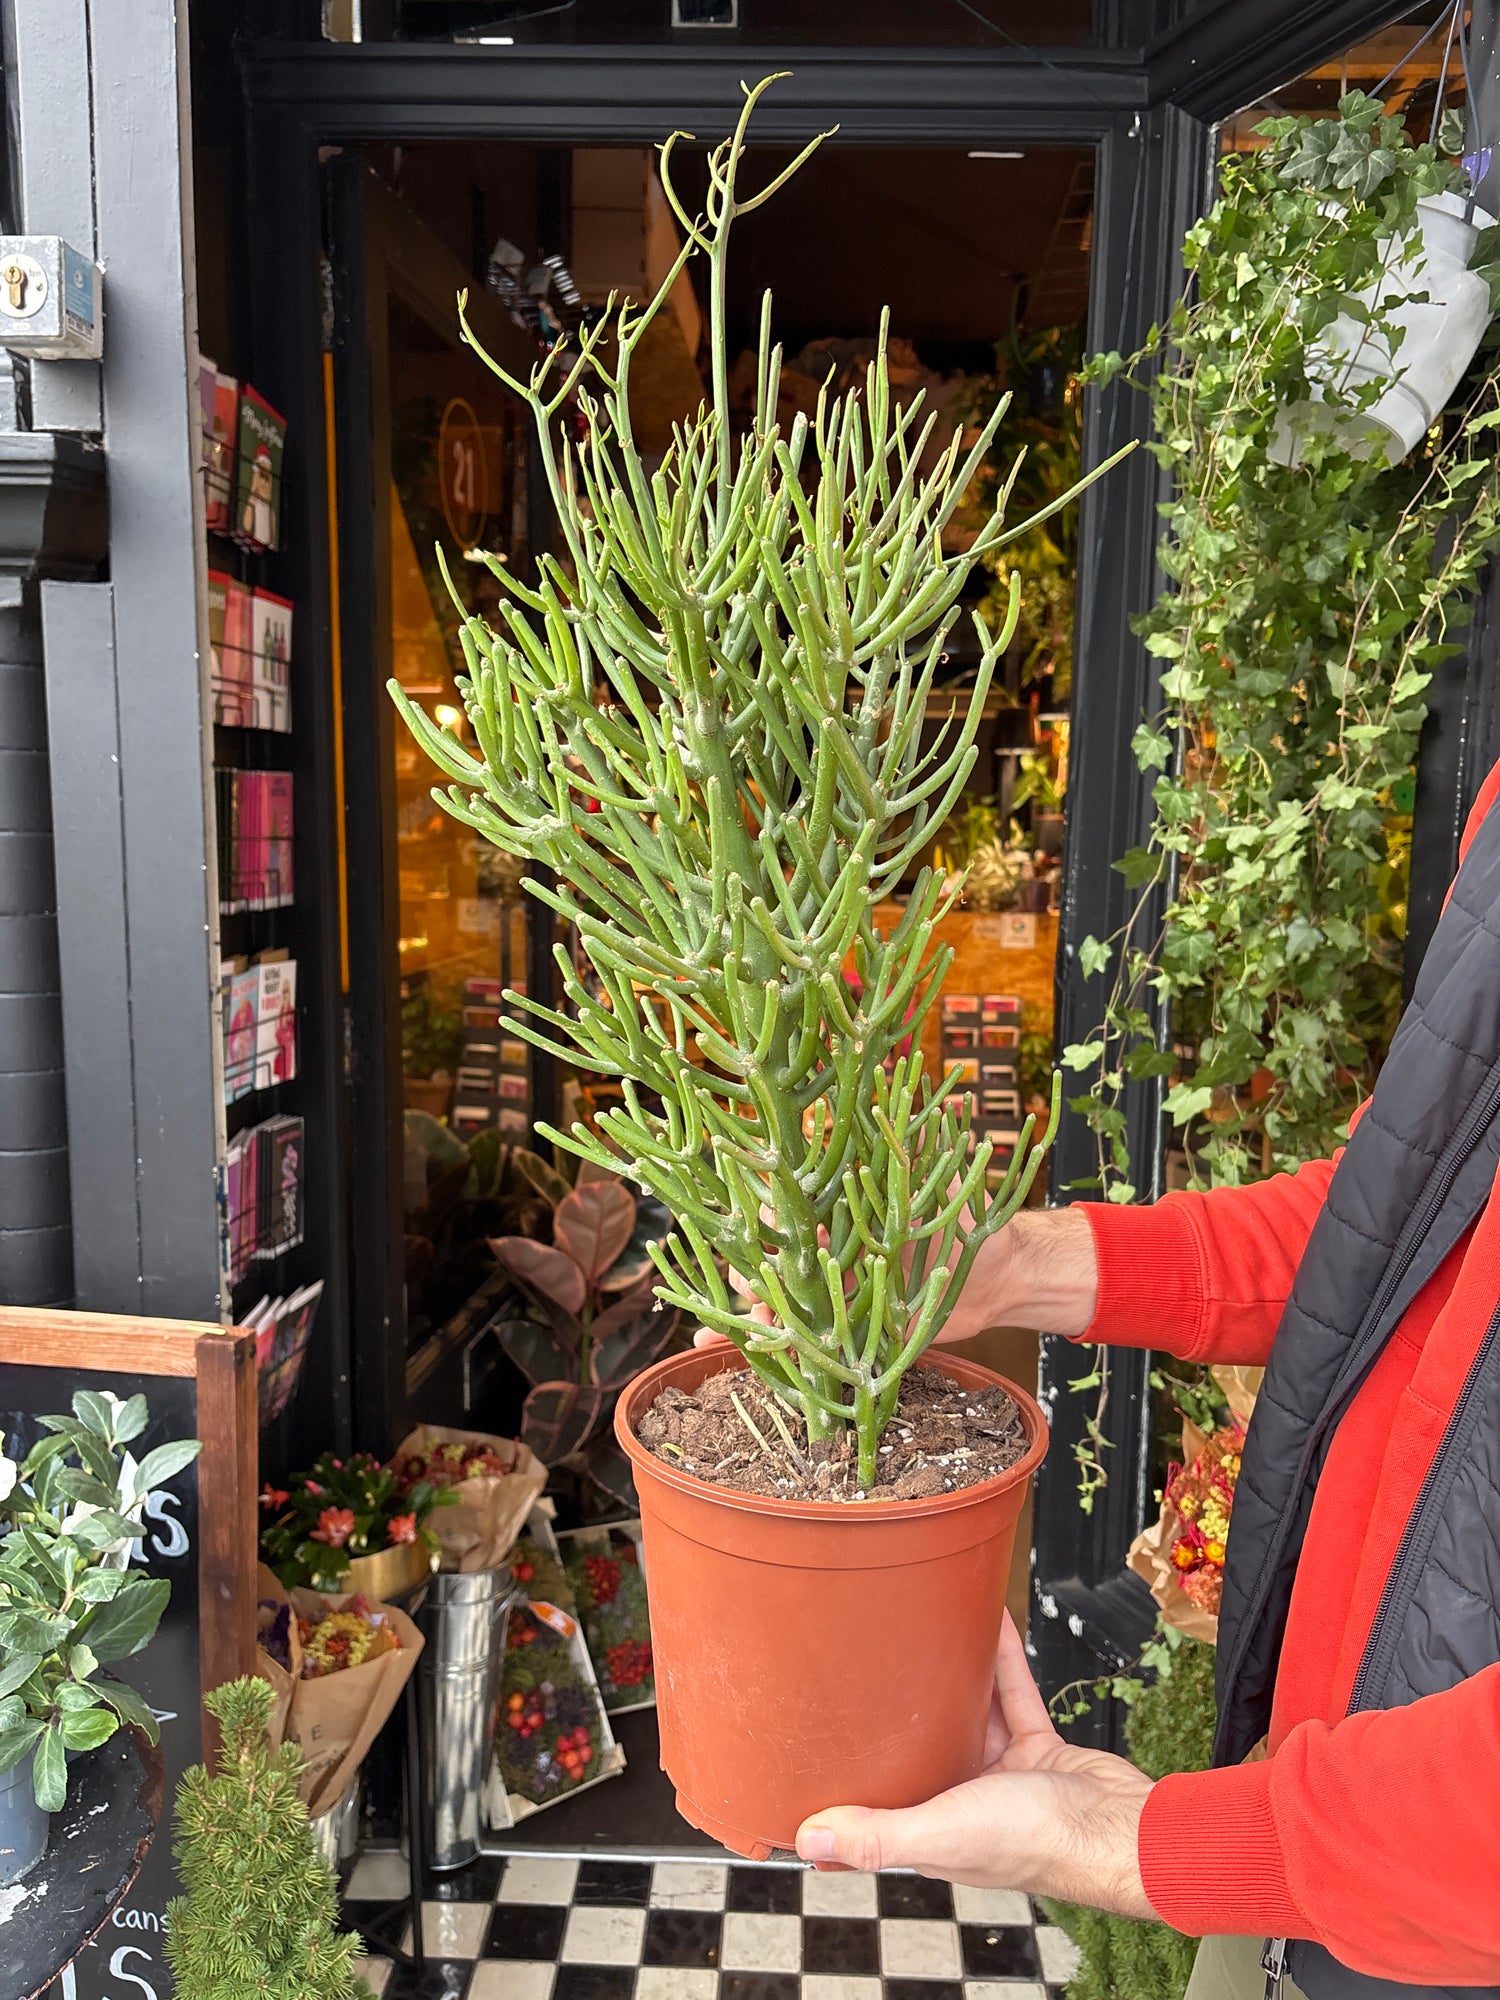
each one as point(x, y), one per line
point(979, 153)
point(448, 717)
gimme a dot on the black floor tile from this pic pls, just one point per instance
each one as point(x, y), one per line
point(624, 1884)
point(913, 1896)
point(765, 1986)
point(594, 1982)
point(841, 1944)
point(682, 1937)
point(775, 1892)
point(999, 1951)
point(526, 1930)
point(922, 1989)
point(438, 1979)
point(356, 1916)
point(475, 1884)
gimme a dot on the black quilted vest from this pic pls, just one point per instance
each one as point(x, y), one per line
point(1417, 1171)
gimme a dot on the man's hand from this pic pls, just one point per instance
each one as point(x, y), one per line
point(1043, 1816)
point(1039, 1271)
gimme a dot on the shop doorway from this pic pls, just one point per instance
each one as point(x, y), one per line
point(982, 256)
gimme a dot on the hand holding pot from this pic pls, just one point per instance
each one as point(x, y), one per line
point(1043, 1816)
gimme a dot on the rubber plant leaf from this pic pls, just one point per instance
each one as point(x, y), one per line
point(535, 1349)
point(593, 1226)
point(541, 1175)
point(653, 1224)
point(559, 1418)
point(634, 1346)
point(624, 1309)
point(609, 1468)
point(551, 1272)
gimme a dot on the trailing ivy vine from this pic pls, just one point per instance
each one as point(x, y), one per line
point(1258, 970)
point(1307, 607)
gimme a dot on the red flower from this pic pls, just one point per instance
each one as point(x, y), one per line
point(273, 1497)
point(335, 1526)
point(402, 1527)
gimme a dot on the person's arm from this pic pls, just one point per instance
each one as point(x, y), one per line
point(1202, 1276)
point(1307, 1844)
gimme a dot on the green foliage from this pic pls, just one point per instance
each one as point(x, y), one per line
point(1170, 1727)
point(705, 719)
point(432, 1035)
point(259, 1919)
point(1038, 374)
point(71, 1516)
point(1307, 609)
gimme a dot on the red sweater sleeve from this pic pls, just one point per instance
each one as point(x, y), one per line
point(1204, 1276)
point(1306, 1844)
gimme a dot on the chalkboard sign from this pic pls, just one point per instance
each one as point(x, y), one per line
point(201, 1530)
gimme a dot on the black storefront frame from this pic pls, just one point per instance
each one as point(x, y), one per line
point(1148, 111)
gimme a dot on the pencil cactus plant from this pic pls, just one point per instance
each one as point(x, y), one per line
point(705, 719)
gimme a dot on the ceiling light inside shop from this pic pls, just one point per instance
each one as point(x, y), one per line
point(448, 717)
point(979, 153)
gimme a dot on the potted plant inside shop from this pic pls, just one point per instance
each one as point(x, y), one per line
point(592, 1318)
point(71, 1515)
point(351, 1524)
point(705, 718)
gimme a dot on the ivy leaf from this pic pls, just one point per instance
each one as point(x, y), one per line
point(1188, 1100)
point(1094, 956)
point(1153, 749)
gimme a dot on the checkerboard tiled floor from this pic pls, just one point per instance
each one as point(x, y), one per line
point(537, 1927)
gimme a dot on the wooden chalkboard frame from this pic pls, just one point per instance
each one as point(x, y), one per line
point(221, 1363)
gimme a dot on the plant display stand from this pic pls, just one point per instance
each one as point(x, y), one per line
point(96, 1845)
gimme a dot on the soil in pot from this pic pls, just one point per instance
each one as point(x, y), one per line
point(730, 1431)
point(818, 1652)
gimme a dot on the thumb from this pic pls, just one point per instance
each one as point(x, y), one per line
point(861, 1837)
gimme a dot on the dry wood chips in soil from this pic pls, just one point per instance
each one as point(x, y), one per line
point(940, 1439)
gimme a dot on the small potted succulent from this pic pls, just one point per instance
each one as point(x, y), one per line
point(71, 1515)
point(704, 718)
point(351, 1524)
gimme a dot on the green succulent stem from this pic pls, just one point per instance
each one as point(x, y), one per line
point(705, 717)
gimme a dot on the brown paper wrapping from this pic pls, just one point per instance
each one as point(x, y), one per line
point(480, 1529)
point(333, 1720)
point(1150, 1554)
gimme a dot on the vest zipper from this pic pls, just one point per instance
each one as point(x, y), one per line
point(1273, 1964)
point(1459, 1150)
point(1415, 1547)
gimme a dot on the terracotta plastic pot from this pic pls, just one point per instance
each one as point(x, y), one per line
point(813, 1654)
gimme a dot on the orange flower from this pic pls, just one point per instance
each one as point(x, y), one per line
point(402, 1528)
point(335, 1526)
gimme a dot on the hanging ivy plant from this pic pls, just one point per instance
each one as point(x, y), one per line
point(1306, 609)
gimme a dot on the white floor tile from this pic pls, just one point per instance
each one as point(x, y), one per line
point(454, 1930)
point(990, 1906)
point(919, 1948)
point(832, 1893)
point(1003, 1989)
point(376, 1970)
point(381, 1877)
point(676, 1982)
point(838, 1986)
point(688, 1885)
point(754, 1942)
point(603, 1936)
point(511, 1979)
point(534, 1878)
point(1060, 1956)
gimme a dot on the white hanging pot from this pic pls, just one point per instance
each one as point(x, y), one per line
point(1442, 308)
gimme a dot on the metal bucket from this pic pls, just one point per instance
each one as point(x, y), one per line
point(463, 1620)
point(336, 1832)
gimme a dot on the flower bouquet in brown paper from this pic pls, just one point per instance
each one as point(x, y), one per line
point(337, 1666)
point(1181, 1555)
point(493, 1482)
